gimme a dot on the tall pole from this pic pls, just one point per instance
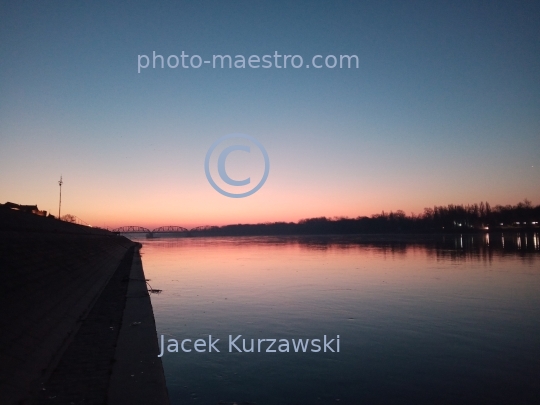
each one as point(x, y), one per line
point(60, 202)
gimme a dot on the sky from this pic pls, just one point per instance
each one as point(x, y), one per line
point(444, 108)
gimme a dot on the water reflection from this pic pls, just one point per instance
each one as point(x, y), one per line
point(443, 242)
point(422, 319)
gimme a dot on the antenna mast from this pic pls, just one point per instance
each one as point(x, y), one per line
point(60, 202)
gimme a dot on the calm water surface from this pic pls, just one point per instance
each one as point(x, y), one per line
point(429, 320)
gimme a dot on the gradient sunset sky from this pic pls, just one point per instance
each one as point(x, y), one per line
point(444, 107)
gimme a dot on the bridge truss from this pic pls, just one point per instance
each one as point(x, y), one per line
point(141, 229)
point(170, 229)
point(132, 229)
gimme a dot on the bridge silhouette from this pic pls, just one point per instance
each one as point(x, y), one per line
point(162, 229)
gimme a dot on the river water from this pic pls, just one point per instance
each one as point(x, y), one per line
point(435, 319)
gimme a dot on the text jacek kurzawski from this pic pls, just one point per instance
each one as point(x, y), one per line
point(237, 344)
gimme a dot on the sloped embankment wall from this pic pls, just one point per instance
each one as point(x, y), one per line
point(51, 275)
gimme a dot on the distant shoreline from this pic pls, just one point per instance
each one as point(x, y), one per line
point(254, 230)
point(450, 219)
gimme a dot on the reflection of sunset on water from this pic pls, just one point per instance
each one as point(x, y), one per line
point(248, 270)
point(396, 302)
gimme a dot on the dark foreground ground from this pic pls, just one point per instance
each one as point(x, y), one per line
point(76, 321)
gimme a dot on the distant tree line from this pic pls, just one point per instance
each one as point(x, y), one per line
point(450, 218)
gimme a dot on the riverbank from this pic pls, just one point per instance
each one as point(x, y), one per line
point(76, 317)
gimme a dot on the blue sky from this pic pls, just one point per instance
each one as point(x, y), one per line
point(444, 107)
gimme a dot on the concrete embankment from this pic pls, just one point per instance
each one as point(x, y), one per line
point(76, 319)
